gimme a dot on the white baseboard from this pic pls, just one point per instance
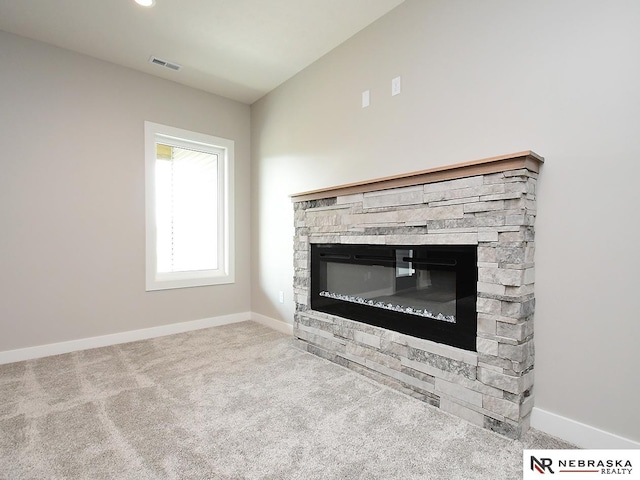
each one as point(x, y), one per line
point(278, 325)
point(580, 434)
point(40, 351)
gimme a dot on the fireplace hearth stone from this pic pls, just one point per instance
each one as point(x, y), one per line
point(493, 387)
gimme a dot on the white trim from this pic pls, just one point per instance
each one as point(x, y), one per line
point(225, 148)
point(580, 434)
point(272, 323)
point(29, 353)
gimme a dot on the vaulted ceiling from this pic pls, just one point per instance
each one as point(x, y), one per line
point(240, 49)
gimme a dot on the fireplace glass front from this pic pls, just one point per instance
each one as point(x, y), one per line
point(424, 291)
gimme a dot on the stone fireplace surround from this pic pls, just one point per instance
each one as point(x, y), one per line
point(489, 203)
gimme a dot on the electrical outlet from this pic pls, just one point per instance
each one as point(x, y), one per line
point(281, 296)
point(366, 97)
point(396, 86)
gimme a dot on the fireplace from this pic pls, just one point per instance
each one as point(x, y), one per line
point(420, 290)
point(425, 282)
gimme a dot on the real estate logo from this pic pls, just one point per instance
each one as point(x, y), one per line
point(581, 464)
point(541, 465)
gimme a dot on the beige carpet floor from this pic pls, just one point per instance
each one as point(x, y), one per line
point(232, 402)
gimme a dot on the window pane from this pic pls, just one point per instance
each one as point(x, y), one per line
point(186, 209)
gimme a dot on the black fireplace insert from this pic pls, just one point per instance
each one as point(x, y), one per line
point(426, 291)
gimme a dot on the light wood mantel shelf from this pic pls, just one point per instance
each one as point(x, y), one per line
point(527, 159)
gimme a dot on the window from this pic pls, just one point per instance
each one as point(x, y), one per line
point(188, 207)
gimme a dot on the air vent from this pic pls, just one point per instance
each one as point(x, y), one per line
point(165, 64)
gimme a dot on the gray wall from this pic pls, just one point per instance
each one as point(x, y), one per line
point(481, 79)
point(72, 222)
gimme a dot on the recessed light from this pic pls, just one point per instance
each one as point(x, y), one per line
point(146, 3)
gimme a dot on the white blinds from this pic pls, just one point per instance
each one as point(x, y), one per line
point(186, 191)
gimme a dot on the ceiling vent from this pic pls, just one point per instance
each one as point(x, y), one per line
point(163, 63)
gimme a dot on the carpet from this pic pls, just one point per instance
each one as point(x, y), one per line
point(233, 402)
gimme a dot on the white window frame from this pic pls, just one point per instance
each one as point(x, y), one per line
point(225, 273)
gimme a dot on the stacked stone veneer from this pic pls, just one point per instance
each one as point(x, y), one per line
point(492, 387)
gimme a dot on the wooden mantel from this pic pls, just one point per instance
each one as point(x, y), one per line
point(527, 159)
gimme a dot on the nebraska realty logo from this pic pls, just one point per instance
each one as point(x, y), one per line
point(579, 464)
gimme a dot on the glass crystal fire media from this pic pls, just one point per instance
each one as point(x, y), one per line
point(389, 306)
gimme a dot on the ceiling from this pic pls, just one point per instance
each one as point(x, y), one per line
point(240, 49)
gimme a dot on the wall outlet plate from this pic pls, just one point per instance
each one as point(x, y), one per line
point(396, 86)
point(366, 98)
